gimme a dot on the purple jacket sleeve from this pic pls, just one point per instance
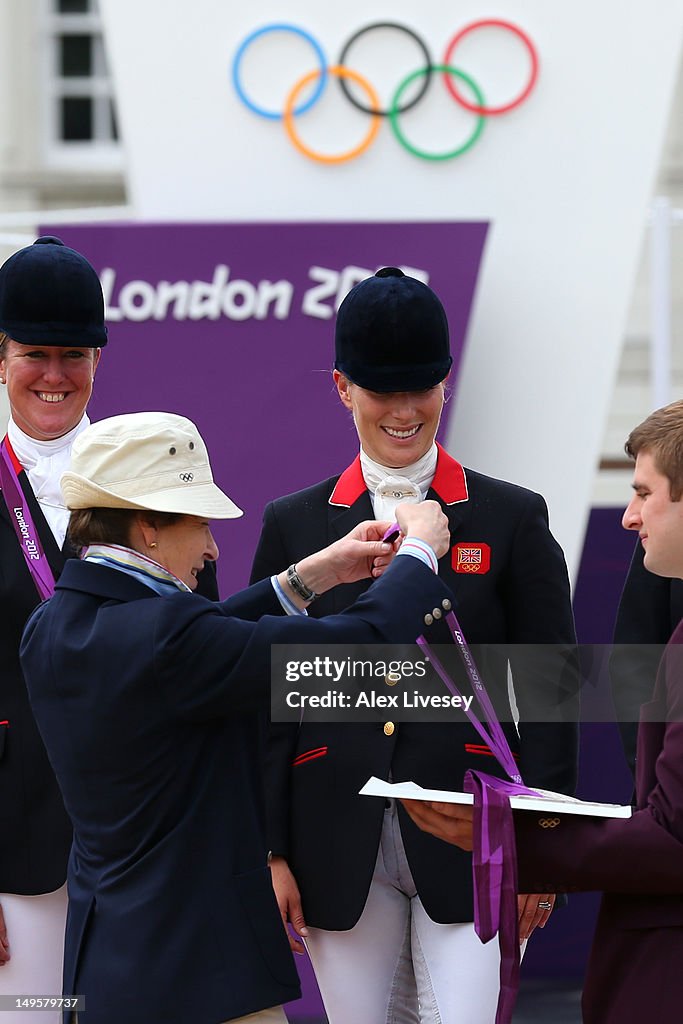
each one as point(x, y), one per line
point(641, 854)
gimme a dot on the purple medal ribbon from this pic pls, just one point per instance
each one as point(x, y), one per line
point(492, 734)
point(24, 527)
point(494, 857)
point(494, 869)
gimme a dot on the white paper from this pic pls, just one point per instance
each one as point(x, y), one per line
point(554, 802)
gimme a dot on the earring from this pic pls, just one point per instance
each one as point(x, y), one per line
point(2, 380)
point(153, 544)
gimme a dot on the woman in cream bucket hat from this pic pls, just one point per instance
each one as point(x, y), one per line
point(150, 701)
point(144, 460)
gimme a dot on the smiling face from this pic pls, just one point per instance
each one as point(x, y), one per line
point(182, 547)
point(658, 519)
point(48, 387)
point(397, 428)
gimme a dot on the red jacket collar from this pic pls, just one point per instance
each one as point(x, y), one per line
point(18, 468)
point(449, 483)
point(450, 480)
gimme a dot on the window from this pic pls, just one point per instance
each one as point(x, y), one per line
point(79, 103)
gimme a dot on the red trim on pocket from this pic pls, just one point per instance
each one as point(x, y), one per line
point(309, 755)
point(6, 722)
point(481, 748)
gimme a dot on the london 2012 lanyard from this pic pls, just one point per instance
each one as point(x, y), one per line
point(491, 732)
point(24, 527)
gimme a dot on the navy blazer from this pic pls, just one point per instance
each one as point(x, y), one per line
point(151, 712)
point(35, 831)
point(634, 971)
point(510, 583)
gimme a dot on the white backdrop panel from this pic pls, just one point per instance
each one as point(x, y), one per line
point(565, 179)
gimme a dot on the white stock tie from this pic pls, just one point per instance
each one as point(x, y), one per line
point(391, 492)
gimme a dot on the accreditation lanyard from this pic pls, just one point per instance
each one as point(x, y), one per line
point(22, 521)
point(494, 857)
point(491, 731)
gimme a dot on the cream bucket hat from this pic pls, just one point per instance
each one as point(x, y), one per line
point(145, 460)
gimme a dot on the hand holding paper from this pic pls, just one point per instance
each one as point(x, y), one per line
point(450, 822)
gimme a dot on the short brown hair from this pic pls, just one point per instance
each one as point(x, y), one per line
point(111, 525)
point(661, 434)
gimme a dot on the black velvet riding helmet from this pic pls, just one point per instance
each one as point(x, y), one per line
point(392, 334)
point(51, 295)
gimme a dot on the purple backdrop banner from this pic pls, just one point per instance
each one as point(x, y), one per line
point(233, 326)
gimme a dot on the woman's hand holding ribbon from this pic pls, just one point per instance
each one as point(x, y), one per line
point(358, 555)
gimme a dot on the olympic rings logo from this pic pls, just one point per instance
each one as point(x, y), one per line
point(298, 102)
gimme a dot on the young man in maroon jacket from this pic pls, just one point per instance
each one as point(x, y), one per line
point(634, 969)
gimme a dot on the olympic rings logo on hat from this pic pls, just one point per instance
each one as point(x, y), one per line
point(454, 79)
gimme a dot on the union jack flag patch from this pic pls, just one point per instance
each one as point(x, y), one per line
point(474, 559)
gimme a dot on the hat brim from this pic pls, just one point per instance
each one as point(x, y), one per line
point(56, 335)
point(392, 378)
point(201, 499)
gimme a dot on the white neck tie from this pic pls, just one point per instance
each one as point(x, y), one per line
point(391, 492)
point(388, 487)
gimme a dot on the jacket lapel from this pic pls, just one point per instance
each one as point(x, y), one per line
point(348, 505)
point(449, 488)
point(341, 520)
point(454, 513)
point(53, 554)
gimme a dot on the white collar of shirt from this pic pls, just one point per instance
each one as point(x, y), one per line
point(44, 462)
point(388, 486)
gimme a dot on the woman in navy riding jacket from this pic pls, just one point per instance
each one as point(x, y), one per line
point(376, 899)
point(150, 701)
